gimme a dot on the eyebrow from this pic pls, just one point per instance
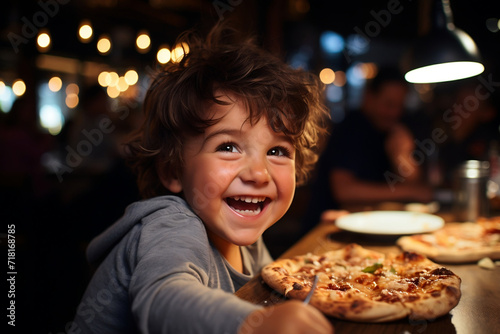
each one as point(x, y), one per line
point(235, 132)
point(223, 131)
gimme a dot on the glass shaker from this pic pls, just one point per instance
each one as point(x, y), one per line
point(470, 190)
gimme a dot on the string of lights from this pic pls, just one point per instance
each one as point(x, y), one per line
point(116, 85)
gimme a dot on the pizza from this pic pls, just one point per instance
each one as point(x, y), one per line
point(458, 242)
point(358, 284)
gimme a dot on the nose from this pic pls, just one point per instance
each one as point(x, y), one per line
point(255, 171)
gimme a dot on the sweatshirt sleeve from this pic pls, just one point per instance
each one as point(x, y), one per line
point(170, 290)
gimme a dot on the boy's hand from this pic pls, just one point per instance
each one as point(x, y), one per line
point(291, 317)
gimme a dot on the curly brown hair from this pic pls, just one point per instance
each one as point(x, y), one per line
point(176, 102)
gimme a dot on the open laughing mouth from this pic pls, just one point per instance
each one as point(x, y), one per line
point(247, 205)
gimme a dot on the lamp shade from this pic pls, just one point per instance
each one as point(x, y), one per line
point(446, 53)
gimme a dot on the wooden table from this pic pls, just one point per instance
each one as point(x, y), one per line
point(477, 312)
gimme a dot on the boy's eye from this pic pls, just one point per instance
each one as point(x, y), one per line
point(227, 147)
point(279, 151)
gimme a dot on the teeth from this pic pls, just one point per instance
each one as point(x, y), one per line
point(249, 199)
point(249, 212)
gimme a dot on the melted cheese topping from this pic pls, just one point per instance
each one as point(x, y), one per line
point(385, 280)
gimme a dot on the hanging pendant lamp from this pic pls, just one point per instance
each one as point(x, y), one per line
point(446, 53)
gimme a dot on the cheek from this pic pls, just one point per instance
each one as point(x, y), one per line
point(223, 173)
point(201, 185)
point(217, 176)
point(285, 179)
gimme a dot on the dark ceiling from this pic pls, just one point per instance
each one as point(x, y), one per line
point(277, 19)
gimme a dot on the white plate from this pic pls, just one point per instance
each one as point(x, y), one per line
point(390, 222)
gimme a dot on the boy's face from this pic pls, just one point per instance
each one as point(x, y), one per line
point(239, 178)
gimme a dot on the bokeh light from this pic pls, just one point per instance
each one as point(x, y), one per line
point(163, 55)
point(368, 70)
point(131, 77)
point(19, 87)
point(327, 76)
point(55, 84)
point(85, 31)
point(72, 100)
point(334, 93)
point(104, 44)
point(114, 79)
point(113, 92)
point(122, 84)
point(7, 97)
point(43, 40)
point(185, 47)
point(355, 76)
point(143, 41)
point(104, 78)
point(178, 52)
point(331, 42)
point(51, 118)
point(72, 88)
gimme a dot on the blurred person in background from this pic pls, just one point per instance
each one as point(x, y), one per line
point(369, 156)
point(471, 123)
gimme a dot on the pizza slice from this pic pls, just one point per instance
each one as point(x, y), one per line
point(458, 242)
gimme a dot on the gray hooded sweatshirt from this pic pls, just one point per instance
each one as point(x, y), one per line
point(159, 273)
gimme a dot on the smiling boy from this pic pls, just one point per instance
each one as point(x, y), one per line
point(228, 133)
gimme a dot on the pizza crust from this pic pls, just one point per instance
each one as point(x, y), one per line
point(431, 307)
point(367, 297)
point(361, 309)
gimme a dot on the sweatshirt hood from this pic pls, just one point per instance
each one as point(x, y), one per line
point(101, 245)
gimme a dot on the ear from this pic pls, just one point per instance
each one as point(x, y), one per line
point(172, 183)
